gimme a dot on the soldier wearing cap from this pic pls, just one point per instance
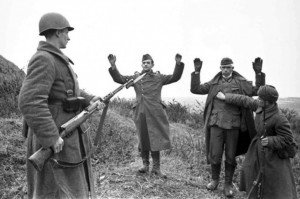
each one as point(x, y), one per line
point(267, 160)
point(149, 110)
point(226, 125)
point(49, 85)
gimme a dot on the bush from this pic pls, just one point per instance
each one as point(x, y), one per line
point(177, 112)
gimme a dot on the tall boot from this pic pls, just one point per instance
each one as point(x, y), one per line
point(215, 175)
point(228, 187)
point(145, 159)
point(156, 164)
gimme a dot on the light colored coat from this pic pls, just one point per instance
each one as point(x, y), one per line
point(150, 117)
point(48, 77)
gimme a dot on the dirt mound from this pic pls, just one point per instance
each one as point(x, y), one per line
point(11, 78)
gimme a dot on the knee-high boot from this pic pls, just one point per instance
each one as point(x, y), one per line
point(228, 187)
point(145, 159)
point(156, 164)
point(215, 175)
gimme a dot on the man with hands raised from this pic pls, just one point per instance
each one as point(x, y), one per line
point(149, 110)
point(225, 124)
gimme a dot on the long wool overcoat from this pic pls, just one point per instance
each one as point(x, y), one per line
point(49, 76)
point(149, 111)
point(277, 178)
point(247, 131)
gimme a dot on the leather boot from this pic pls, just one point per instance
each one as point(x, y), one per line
point(215, 175)
point(228, 187)
point(156, 164)
point(145, 159)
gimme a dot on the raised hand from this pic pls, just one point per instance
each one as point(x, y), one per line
point(257, 65)
point(112, 59)
point(197, 64)
point(178, 58)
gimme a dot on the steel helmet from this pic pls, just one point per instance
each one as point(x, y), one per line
point(53, 21)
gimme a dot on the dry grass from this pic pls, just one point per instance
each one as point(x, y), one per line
point(116, 162)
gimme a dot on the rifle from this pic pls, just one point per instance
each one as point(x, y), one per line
point(258, 182)
point(39, 158)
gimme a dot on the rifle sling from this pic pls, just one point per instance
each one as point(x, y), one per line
point(63, 164)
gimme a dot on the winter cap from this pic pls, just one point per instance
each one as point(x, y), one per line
point(268, 93)
point(226, 62)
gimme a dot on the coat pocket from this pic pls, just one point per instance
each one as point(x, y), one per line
point(235, 90)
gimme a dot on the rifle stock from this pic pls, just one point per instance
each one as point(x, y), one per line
point(39, 158)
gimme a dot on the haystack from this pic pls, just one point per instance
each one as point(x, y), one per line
point(11, 78)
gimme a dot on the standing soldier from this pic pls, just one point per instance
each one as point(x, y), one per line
point(149, 111)
point(226, 125)
point(49, 97)
point(267, 161)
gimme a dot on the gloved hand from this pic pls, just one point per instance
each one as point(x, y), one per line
point(112, 59)
point(257, 65)
point(178, 58)
point(197, 64)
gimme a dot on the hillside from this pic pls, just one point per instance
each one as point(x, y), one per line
point(11, 78)
point(116, 162)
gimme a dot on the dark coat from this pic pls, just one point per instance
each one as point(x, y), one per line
point(48, 77)
point(150, 117)
point(247, 131)
point(277, 179)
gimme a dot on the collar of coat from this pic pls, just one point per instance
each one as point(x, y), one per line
point(235, 75)
point(270, 111)
point(150, 72)
point(46, 46)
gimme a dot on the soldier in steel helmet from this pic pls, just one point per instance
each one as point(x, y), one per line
point(149, 110)
point(46, 101)
point(226, 125)
point(266, 171)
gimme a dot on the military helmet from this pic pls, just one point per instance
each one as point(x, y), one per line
point(53, 21)
point(268, 93)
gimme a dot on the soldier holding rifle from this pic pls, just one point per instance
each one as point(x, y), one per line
point(266, 170)
point(149, 111)
point(49, 97)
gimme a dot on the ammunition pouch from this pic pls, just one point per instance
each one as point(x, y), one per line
point(74, 104)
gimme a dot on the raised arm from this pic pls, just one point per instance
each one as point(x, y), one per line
point(168, 79)
point(196, 86)
point(114, 72)
point(260, 77)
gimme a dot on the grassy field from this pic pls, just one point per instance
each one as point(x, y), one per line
point(117, 160)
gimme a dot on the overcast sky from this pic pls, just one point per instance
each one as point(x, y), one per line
point(208, 29)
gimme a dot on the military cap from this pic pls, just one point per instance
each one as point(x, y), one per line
point(226, 61)
point(268, 93)
point(147, 57)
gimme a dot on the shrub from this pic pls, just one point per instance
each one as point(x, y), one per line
point(177, 112)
